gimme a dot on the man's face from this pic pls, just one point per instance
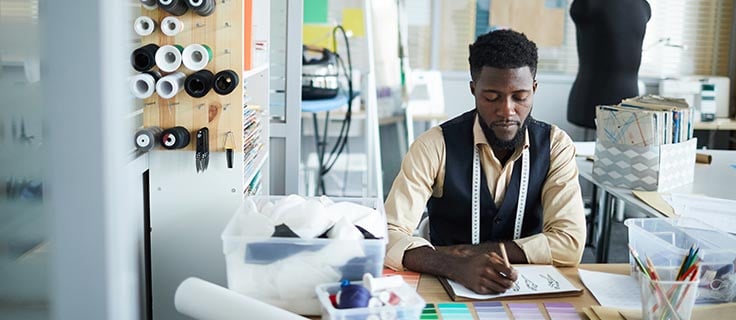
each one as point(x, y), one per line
point(504, 98)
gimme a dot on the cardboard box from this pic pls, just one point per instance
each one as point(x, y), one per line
point(651, 168)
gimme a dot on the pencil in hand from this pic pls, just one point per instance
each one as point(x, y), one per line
point(504, 254)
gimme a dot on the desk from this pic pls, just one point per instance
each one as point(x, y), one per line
point(431, 290)
point(719, 124)
point(715, 180)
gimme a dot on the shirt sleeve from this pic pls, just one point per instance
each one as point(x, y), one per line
point(409, 193)
point(563, 235)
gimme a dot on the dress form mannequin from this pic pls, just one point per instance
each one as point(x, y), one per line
point(609, 40)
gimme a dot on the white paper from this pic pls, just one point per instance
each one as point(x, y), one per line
point(705, 209)
point(532, 280)
point(612, 290)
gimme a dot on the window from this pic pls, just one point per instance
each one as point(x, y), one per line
point(682, 38)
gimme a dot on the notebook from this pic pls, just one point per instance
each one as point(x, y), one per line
point(536, 281)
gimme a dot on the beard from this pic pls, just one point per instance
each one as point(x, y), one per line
point(511, 144)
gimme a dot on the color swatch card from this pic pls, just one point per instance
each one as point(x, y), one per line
point(455, 311)
point(532, 280)
point(526, 311)
point(490, 310)
point(410, 277)
point(561, 311)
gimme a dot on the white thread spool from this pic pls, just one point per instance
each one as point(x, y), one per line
point(144, 26)
point(171, 26)
point(168, 58)
point(196, 56)
point(142, 85)
point(378, 284)
point(168, 86)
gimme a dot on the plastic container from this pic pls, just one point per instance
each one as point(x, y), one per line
point(410, 307)
point(661, 299)
point(285, 271)
point(667, 241)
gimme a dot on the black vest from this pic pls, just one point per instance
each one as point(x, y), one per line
point(450, 216)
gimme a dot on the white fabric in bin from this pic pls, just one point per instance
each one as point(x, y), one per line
point(284, 271)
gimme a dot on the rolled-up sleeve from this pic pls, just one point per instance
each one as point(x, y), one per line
point(563, 235)
point(409, 193)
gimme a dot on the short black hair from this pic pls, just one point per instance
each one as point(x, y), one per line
point(503, 49)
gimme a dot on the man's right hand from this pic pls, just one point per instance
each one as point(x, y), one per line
point(484, 273)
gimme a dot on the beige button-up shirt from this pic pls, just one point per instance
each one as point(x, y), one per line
point(422, 175)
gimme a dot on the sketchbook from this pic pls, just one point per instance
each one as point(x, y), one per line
point(533, 281)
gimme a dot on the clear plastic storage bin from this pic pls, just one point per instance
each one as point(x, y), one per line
point(285, 271)
point(410, 307)
point(667, 241)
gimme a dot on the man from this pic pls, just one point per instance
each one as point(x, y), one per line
point(440, 172)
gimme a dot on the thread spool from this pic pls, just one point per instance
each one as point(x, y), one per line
point(199, 83)
point(353, 296)
point(171, 26)
point(144, 26)
point(143, 85)
point(168, 58)
point(168, 86)
point(149, 4)
point(144, 58)
point(383, 283)
point(145, 139)
point(175, 7)
point(202, 7)
point(225, 82)
point(175, 138)
point(196, 56)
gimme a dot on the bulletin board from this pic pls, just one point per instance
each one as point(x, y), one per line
point(543, 21)
point(222, 32)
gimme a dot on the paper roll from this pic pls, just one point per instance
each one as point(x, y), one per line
point(203, 300)
point(703, 158)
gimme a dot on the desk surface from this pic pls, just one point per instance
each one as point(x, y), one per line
point(431, 290)
point(714, 180)
point(717, 124)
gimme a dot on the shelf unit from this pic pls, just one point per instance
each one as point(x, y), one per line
point(186, 205)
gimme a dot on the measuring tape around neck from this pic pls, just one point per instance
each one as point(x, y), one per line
point(521, 205)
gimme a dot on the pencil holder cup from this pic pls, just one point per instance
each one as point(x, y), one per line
point(667, 299)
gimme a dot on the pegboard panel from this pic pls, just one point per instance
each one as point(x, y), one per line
point(222, 31)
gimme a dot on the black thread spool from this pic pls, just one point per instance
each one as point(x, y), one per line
point(144, 58)
point(175, 138)
point(147, 138)
point(202, 7)
point(175, 7)
point(149, 3)
point(199, 83)
point(225, 82)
